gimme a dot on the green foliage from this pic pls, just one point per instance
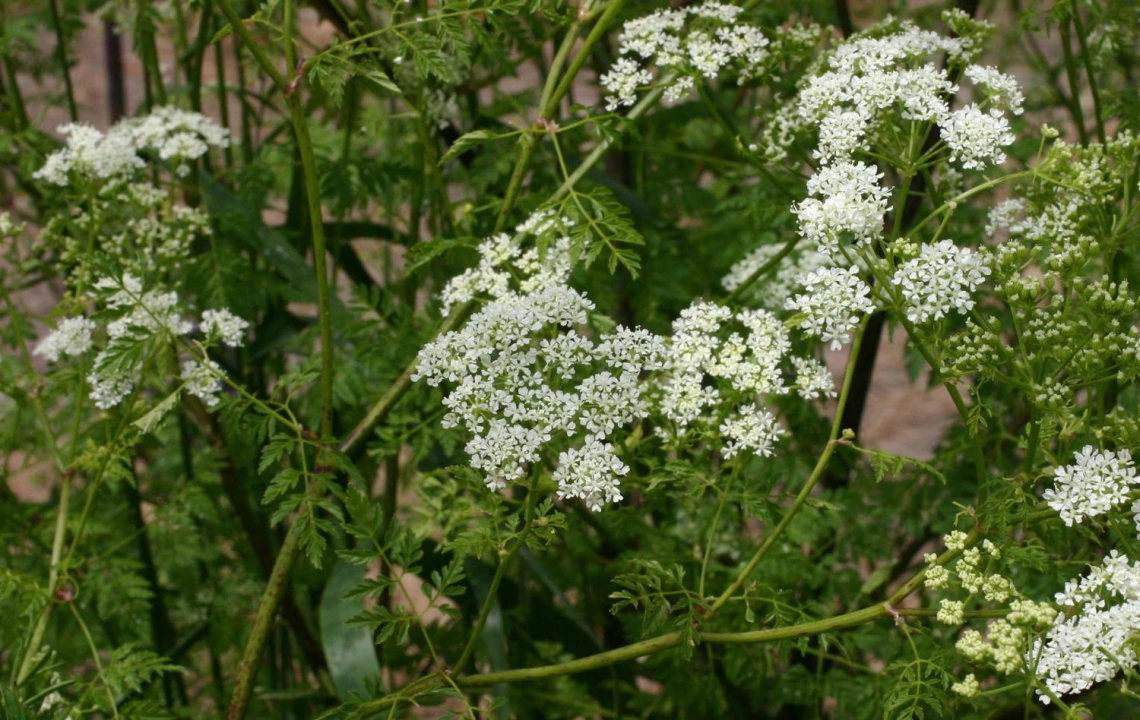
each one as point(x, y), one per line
point(144, 509)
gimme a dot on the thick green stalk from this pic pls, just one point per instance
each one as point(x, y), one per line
point(671, 640)
point(396, 390)
point(11, 93)
point(651, 646)
point(222, 93)
point(151, 65)
point(53, 580)
point(243, 33)
point(270, 600)
point(816, 474)
point(600, 27)
point(528, 140)
point(287, 557)
point(324, 295)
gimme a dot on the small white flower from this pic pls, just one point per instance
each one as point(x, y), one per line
point(592, 474)
point(955, 540)
point(779, 284)
point(951, 612)
point(813, 379)
point(939, 280)
point(203, 380)
point(976, 138)
point(1097, 642)
point(622, 83)
point(72, 337)
point(845, 198)
point(967, 688)
point(1096, 483)
point(90, 155)
point(1003, 89)
point(225, 326)
point(937, 576)
point(833, 301)
point(109, 389)
point(752, 429)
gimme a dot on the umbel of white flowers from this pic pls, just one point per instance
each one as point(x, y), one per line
point(1095, 640)
point(174, 135)
point(147, 318)
point(524, 375)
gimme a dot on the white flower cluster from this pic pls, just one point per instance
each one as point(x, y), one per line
point(844, 197)
point(144, 321)
point(590, 473)
point(523, 376)
point(1003, 646)
point(1005, 643)
point(976, 137)
point(774, 291)
point(224, 326)
point(751, 429)
point(873, 76)
point(833, 301)
point(967, 688)
point(1002, 90)
point(177, 136)
point(1096, 483)
point(711, 367)
point(90, 155)
point(813, 379)
point(1098, 641)
point(71, 337)
point(151, 233)
point(939, 280)
point(502, 258)
point(750, 364)
point(701, 40)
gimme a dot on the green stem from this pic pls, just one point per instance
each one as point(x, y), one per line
point(12, 95)
point(246, 37)
point(661, 643)
point(53, 580)
point(287, 557)
point(816, 474)
point(629, 652)
point(528, 140)
point(95, 657)
point(713, 528)
point(1086, 58)
point(1074, 87)
point(275, 590)
point(149, 54)
point(396, 390)
point(324, 296)
point(40, 628)
point(61, 51)
point(505, 559)
point(596, 33)
point(545, 106)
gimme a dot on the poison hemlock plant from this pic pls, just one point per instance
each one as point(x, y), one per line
point(349, 376)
